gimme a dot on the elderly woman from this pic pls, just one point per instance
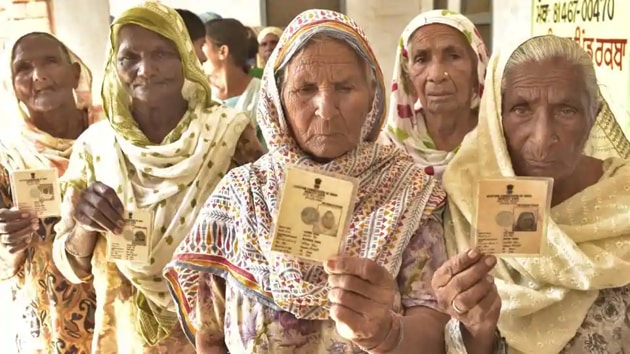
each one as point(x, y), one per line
point(438, 81)
point(268, 39)
point(163, 149)
point(49, 91)
point(540, 119)
point(235, 295)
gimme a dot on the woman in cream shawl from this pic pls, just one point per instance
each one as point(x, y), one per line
point(49, 312)
point(574, 298)
point(170, 179)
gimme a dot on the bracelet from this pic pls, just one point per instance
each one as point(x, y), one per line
point(75, 254)
point(72, 252)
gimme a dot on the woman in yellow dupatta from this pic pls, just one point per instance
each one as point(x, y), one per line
point(48, 104)
point(575, 297)
point(163, 149)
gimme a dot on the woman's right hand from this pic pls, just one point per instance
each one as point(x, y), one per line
point(16, 229)
point(465, 290)
point(99, 209)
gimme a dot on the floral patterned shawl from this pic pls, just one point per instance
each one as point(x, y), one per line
point(23, 145)
point(405, 124)
point(545, 299)
point(394, 197)
point(171, 179)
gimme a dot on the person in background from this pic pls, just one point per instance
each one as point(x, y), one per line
point(268, 39)
point(255, 71)
point(437, 85)
point(163, 149)
point(196, 31)
point(48, 89)
point(228, 52)
point(543, 116)
point(209, 16)
point(235, 295)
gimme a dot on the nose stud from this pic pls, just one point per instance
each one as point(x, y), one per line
point(446, 74)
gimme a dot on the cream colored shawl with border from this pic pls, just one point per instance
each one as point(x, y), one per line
point(546, 299)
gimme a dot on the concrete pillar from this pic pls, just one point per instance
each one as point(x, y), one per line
point(383, 22)
point(84, 27)
point(510, 17)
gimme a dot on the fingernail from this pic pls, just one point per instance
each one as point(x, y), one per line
point(25, 215)
point(35, 227)
point(35, 221)
point(330, 264)
point(117, 231)
point(473, 253)
point(490, 279)
point(490, 261)
point(120, 223)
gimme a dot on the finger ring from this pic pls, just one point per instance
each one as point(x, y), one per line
point(457, 309)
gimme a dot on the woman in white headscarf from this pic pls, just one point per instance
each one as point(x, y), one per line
point(47, 89)
point(438, 81)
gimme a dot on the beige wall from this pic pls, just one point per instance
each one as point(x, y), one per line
point(510, 19)
point(383, 22)
point(246, 11)
point(84, 27)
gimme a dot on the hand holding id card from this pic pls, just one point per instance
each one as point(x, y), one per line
point(512, 215)
point(37, 191)
point(134, 243)
point(314, 213)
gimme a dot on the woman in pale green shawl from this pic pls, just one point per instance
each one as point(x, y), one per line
point(163, 149)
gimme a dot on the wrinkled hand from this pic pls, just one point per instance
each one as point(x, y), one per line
point(465, 290)
point(362, 297)
point(16, 229)
point(99, 209)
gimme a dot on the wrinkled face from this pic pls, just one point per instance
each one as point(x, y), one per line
point(546, 118)
point(198, 45)
point(327, 98)
point(267, 45)
point(442, 68)
point(149, 65)
point(43, 76)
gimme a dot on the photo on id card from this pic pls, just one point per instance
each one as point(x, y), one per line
point(134, 244)
point(37, 191)
point(511, 215)
point(314, 213)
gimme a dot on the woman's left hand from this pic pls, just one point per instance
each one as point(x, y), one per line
point(362, 298)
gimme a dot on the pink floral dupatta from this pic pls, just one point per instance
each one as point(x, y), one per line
point(232, 236)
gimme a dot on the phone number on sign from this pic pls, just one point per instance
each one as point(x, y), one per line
point(575, 10)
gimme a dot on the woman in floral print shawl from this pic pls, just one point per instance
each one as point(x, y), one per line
point(234, 294)
point(45, 83)
point(433, 60)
